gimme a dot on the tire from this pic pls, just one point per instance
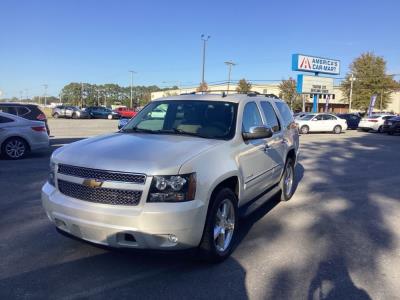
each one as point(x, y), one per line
point(14, 148)
point(56, 116)
point(74, 116)
point(216, 249)
point(380, 129)
point(337, 129)
point(287, 181)
point(390, 132)
point(109, 117)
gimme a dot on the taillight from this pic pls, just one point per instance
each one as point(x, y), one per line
point(41, 117)
point(373, 120)
point(39, 128)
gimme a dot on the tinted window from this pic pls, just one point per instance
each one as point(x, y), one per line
point(319, 118)
point(388, 117)
point(251, 117)
point(8, 109)
point(5, 120)
point(22, 111)
point(285, 113)
point(270, 116)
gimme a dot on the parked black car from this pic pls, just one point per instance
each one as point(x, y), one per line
point(99, 112)
point(27, 111)
point(392, 125)
point(352, 120)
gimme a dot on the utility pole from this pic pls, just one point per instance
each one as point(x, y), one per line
point(132, 72)
point(45, 94)
point(351, 91)
point(380, 107)
point(229, 64)
point(204, 39)
point(81, 94)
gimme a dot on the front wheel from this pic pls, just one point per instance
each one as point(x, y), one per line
point(287, 180)
point(337, 129)
point(221, 227)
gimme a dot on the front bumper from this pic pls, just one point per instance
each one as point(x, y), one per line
point(146, 226)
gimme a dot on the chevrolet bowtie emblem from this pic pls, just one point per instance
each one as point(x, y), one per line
point(92, 183)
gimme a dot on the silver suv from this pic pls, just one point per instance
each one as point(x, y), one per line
point(177, 176)
point(72, 112)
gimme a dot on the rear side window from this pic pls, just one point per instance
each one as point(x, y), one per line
point(22, 111)
point(5, 120)
point(329, 117)
point(285, 113)
point(270, 116)
point(251, 117)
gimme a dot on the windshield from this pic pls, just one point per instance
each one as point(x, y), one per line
point(307, 117)
point(206, 119)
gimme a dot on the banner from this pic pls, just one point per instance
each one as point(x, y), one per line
point(328, 97)
point(371, 105)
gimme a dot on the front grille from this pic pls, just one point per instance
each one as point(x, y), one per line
point(99, 195)
point(101, 174)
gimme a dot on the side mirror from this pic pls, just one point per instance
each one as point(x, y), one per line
point(258, 132)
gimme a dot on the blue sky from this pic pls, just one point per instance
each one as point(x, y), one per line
point(56, 42)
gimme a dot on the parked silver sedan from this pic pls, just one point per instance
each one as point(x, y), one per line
point(19, 136)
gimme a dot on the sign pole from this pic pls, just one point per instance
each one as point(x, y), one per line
point(315, 103)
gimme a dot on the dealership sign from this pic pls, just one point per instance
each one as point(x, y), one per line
point(314, 85)
point(307, 63)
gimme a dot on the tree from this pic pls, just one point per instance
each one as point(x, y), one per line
point(370, 78)
point(288, 92)
point(203, 87)
point(243, 86)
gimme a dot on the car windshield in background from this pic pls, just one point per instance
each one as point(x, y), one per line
point(307, 117)
point(207, 119)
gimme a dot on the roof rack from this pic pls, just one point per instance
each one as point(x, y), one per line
point(255, 94)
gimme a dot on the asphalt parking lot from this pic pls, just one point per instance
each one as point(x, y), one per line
point(337, 238)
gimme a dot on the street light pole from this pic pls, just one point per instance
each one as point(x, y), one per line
point(351, 91)
point(229, 64)
point(132, 72)
point(204, 39)
point(45, 94)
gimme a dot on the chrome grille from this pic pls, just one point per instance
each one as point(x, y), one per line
point(99, 195)
point(101, 174)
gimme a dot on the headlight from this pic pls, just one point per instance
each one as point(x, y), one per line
point(177, 188)
point(52, 173)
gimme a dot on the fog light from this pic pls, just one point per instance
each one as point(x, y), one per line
point(172, 238)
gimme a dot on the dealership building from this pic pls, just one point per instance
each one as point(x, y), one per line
point(338, 102)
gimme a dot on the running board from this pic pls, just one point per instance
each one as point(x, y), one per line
point(254, 204)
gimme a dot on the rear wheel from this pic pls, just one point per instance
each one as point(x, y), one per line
point(109, 117)
point(380, 129)
point(337, 129)
point(221, 226)
point(287, 180)
point(304, 129)
point(14, 148)
point(56, 116)
point(74, 116)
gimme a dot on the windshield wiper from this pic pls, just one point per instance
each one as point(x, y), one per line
point(136, 129)
point(183, 132)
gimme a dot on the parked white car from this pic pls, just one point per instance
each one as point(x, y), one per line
point(321, 122)
point(374, 122)
point(19, 136)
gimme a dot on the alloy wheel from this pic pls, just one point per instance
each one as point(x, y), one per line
point(15, 148)
point(288, 180)
point(224, 225)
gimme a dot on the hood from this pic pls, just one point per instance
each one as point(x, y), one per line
point(151, 154)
